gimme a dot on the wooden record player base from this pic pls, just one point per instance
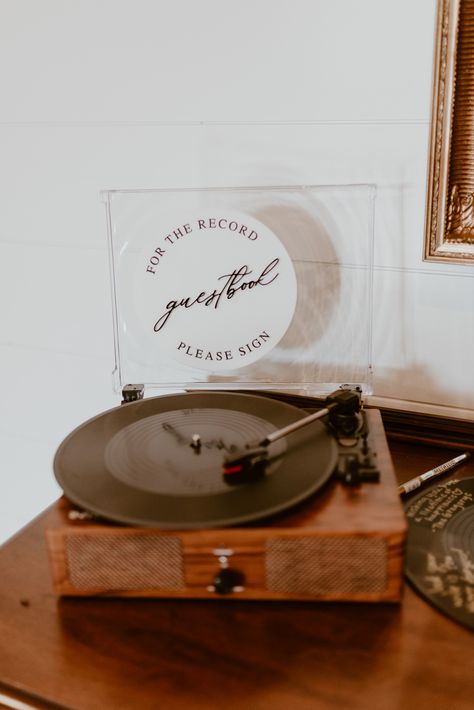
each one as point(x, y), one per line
point(345, 543)
point(119, 654)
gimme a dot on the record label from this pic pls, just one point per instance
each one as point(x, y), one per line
point(440, 547)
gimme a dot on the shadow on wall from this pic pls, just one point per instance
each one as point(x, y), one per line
point(416, 384)
point(313, 254)
point(317, 268)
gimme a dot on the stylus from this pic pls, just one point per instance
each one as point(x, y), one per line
point(249, 463)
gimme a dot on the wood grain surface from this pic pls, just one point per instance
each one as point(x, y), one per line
point(91, 654)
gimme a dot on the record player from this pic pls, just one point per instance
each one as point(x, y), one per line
point(256, 473)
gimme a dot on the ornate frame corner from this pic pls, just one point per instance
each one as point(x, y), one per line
point(449, 233)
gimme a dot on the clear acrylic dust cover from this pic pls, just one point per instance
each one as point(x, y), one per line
point(249, 288)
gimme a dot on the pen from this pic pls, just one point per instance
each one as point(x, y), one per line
point(414, 483)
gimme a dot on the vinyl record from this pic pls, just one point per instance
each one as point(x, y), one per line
point(440, 548)
point(135, 464)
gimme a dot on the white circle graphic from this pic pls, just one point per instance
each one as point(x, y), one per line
point(216, 291)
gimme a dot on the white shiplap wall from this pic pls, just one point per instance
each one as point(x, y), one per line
point(114, 93)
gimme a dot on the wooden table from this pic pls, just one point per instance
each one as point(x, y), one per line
point(140, 654)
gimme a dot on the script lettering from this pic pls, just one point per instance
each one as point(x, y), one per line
point(235, 283)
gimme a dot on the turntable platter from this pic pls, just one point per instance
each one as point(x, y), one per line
point(158, 462)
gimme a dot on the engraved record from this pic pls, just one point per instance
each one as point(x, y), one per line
point(440, 548)
point(158, 462)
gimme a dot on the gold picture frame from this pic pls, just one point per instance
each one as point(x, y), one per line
point(449, 232)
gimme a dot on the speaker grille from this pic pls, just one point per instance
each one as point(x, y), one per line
point(329, 565)
point(125, 562)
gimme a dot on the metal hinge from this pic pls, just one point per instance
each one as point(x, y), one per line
point(132, 393)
